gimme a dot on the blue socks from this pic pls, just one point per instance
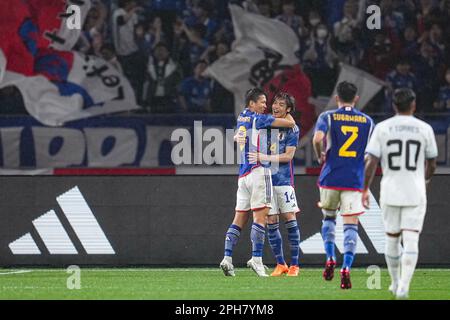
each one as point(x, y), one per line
point(328, 236)
point(276, 243)
point(257, 236)
point(294, 240)
point(350, 239)
point(231, 238)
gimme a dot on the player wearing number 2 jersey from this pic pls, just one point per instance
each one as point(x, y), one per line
point(346, 132)
point(407, 149)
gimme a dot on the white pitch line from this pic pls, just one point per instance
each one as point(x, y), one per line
point(16, 272)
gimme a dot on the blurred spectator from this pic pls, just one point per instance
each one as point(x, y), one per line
point(191, 40)
point(392, 20)
point(202, 12)
point(409, 44)
point(345, 33)
point(289, 17)
point(426, 64)
point(164, 75)
point(148, 35)
point(443, 103)
point(401, 77)
point(436, 40)
point(319, 61)
point(94, 30)
point(125, 19)
point(195, 92)
point(107, 52)
point(265, 8)
point(222, 100)
point(167, 10)
point(379, 57)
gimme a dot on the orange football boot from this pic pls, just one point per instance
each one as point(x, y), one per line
point(280, 269)
point(293, 271)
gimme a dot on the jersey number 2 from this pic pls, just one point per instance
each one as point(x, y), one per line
point(343, 151)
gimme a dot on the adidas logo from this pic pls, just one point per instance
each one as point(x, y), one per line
point(372, 223)
point(55, 237)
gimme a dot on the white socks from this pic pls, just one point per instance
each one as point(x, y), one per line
point(409, 258)
point(393, 257)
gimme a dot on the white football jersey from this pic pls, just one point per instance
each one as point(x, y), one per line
point(403, 143)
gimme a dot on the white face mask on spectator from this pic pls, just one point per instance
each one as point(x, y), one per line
point(314, 22)
point(322, 33)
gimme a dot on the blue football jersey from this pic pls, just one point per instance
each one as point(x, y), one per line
point(347, 133)
point(249, 124)
point(287, 137)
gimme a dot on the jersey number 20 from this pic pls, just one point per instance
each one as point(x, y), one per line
point(398, 153)
point(343, 151)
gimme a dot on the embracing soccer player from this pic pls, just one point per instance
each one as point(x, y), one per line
point(284, 199)
point(254, 192)
point(346, 131)
point(407, 149)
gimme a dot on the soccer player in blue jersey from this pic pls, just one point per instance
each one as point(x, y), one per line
point(254, 192)
point(284, 200)
point(346, 132)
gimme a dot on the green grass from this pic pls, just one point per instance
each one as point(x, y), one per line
point(207, 283)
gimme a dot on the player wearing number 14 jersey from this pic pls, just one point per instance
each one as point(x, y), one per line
point(346, 132)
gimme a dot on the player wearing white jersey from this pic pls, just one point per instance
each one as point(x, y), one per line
point(407, 149)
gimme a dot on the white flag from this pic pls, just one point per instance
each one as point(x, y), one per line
point(93, 87)
point(263, 49)
point(368, 85)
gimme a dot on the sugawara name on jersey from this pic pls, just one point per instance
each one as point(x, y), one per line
point(349, 118)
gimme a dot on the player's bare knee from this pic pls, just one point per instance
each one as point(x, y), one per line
point(241, 218)
point(272, 219)
point(260, 216)
point(289, 216)
point(350, 219)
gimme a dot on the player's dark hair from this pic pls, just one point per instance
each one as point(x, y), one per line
point(403, 99)
point(253, 95)
point(346, 91)
point(290, 100)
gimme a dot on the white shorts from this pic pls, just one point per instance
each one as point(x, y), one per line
point(349, 202)
point(284, 200)
point(396, 219)
point(254, 190)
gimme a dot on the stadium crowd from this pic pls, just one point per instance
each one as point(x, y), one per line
point(163, 47)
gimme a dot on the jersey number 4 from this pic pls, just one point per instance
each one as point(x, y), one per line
point(343, 151)
point(398, 153)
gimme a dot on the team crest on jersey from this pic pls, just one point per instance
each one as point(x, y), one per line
point(281, 136)
point(273, 148)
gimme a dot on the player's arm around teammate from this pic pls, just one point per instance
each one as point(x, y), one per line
point(255, 186)
point(284, 199)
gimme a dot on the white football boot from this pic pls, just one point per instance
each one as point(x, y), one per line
point(402, 293)
point(257, 267)
point(227, 267)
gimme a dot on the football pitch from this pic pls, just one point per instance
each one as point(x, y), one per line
point(207, 284)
